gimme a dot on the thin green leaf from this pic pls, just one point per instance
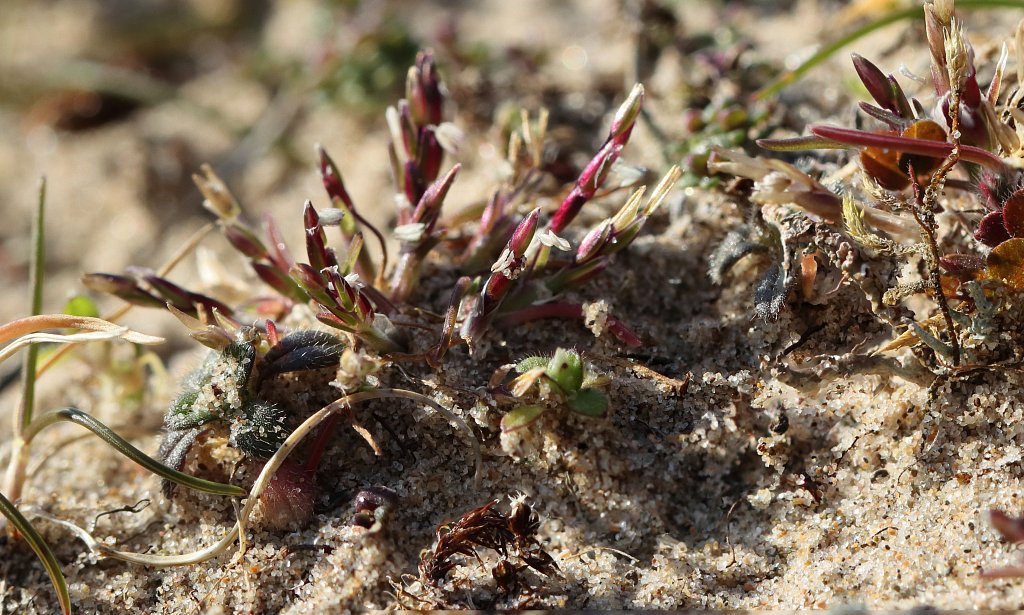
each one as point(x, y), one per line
point(339, 406)
point(799, 144)
point(36, 273)
point(74, 415)
point(42, 551)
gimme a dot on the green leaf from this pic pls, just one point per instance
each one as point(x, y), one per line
point(531, 363)
point(81, 305)
point(566, 369)
point(74, 415)
point(521, 417)
point(36, 276)
point(589, 402)
point(42, 551)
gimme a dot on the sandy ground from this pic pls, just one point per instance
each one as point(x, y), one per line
point(870, 496)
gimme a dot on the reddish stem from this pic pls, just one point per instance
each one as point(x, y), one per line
point(921, 147)
point(572, 311)
point(319, 446)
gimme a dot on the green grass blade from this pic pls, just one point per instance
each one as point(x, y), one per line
point(76, 416)
point(801, 144)
point(41, 549)
point(28, 368)
point(789, 77)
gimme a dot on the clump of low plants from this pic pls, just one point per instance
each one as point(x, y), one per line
point(509, 267)
point(909, 163)
point(341, 308)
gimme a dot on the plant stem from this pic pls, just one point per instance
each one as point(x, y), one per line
point(15, 479)
point(344, 404)
point(36, 273)
point(924, 213)
point(568, 310)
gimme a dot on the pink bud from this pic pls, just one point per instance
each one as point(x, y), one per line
point(991, 230)
point(429, 206)
point(245, 241)
point(876, 82)
point(524, 233)
point(593, 242)
point(332, 181)
point(430, 156)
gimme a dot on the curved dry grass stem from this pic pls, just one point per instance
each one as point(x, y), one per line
point(259, 486)
point(77, 338)
point(36, 324)
point(28, 331)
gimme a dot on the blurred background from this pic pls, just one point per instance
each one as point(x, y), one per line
point(117, 103)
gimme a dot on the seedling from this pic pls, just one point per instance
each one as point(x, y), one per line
point(562, 380)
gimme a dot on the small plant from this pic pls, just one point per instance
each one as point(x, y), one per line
point(29, 332)
point(509, 264)
point(916, 153)
point(224, 390)
point(560, 380)
point(509, 270)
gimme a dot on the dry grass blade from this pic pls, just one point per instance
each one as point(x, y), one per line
point(76, 338)
point(41, 549)
point(43, 322)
